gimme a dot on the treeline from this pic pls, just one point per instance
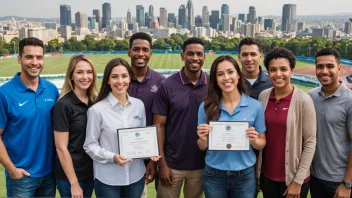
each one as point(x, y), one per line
point(299, 46)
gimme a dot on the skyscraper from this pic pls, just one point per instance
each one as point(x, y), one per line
point(140, 15)
point(171, 18)
point(190, 14)
point(242, 17)
point(97, 15)
point(198, 21)
point(182, 16)
point(129, 17)
point(106, 14)
point(225, 9)
point(252, 15)
point(268, 24)
point(65, 15)
point(91, 23)
point(205, 15)
point(226, 23)
point(289, 18)
point(151, 11)
point(348, 27)
point(214, 19)
point(163, 17)
point(81, 19)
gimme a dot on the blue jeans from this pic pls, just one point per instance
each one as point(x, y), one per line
point(229, 184)
point(64, 187)
point(31, 187)
point(134, 190)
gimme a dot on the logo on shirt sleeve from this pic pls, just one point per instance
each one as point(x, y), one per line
point(154, 89)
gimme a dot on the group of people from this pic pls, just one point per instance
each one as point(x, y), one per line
point(299, 142)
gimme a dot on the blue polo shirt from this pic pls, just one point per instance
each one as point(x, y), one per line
point(178, 99)
point(248, 109)
point(25, 117)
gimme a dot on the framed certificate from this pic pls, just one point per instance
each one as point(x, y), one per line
point(228, 136)
point(141, 142)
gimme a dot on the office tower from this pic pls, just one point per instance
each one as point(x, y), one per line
point(106, 15)
point(81, 20)
point(129, 17)
point(260, 20)
point(65, 15)
point(205, 16)
point(147, 20)
point(140, 16)
point(97, 15)
point(225, 9)
point(348, 27)
point(91, 23)
point(198, 21)
point(288, 18)
point(236, 25)
point(151, 11)
point(163, 17)
point(190, 14)
point(301, 26)
point(242, 17)
point(50, 25)
point(226, 23)
point(171, 17)
point(214, 19)
point(182, 16)
point(268, 24)
point(252, 15)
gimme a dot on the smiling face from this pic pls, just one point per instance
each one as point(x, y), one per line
point(119, 80)
point(280, 72)
point(31, 61)
point(327, 70)
point(227, 77)
point(250, 57)
point(82, 75)
point(140, 53)
point(193, 56)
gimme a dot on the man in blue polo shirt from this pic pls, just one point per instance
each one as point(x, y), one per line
point(27, 142)
point(175, 111)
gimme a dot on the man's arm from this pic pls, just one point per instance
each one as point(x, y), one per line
point(5, 160)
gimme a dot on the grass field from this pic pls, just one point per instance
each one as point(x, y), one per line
point(58, 64)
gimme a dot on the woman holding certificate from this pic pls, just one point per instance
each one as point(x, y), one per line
point(115, 175)
point(283, 165)
point(237, 127)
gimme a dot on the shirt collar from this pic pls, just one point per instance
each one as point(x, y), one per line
point(147, 77)
point(243, 103)
point(288, 97)
point(184, 80)
point(339, 91)
point(262, 75)
point(22, 87)
point(114, 101)
point(75, 100)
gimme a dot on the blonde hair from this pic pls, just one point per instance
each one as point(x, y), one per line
point(69, 85)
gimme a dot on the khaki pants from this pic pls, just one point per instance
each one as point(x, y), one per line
point(193, 185)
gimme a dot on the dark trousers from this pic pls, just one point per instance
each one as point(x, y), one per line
point(273, 189)
point(322, 189)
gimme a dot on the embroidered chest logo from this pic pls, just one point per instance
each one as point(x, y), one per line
point(137, 117)
point(21, 104)
point(154, 89)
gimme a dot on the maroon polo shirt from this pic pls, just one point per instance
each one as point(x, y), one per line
point(146, 91)
point(178, 99)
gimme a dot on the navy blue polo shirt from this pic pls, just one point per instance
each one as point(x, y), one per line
point(263, 82)
point(25, 117)
point(178, 99)
point(146, 91)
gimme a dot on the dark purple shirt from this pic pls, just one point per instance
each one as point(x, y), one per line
point(179, 100)
point(146, 91)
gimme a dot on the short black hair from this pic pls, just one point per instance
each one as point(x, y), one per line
point(328, 51)
point(249, 41)
point(141, 35)
point(31, 41)
point(193, 40)
point(280, 53)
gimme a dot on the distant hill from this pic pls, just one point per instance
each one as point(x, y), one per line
point(17, 18)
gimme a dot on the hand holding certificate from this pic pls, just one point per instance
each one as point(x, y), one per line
point(139, 142)
point(229, 136)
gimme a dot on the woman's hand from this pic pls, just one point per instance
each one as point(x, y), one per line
point(252, 135)
point(155, 158)
point(257, 140)
point(121, 160)
point(203, 131)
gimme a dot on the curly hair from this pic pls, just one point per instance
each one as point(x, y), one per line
point(280, 53)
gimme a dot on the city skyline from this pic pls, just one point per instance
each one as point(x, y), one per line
point(48, 9)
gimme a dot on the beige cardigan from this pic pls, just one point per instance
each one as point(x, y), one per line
point(300, 136)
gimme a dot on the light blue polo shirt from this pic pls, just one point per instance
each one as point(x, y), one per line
point(25, 117)
point(248, 109)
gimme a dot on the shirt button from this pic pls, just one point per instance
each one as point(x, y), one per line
point(286, 150)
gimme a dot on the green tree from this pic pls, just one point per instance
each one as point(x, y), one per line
point(106, 44)
point(159, 44)
point(89, 42)
point(121, 45)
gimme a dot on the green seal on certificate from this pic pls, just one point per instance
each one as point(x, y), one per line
point(228, 146)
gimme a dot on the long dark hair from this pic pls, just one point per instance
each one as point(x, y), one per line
point(105, 88)
point(212, 101)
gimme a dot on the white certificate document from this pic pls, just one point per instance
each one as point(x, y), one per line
point(228, 136)
point(141, 142)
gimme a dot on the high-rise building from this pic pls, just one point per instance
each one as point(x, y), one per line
point(242, 17)
point(106, 15)
point(268, 24)
point(81, 19)
point(50, 25)
point(214, 19)
point(348, 27)
point(171, 18)
point(260, 20)
point(96, 13)
point(65, 15)
point(91, 23)
point(129, 17)
point(190, 15)
point(252, 15)
point(288, 18)
point(147, 20)
point(226, 23)
point(301, 26)
point(182, 16)
point(163, 17)
point(225, 9)
point(198, 21)
point(151, 11)
point(205, 16)
point(140, 15)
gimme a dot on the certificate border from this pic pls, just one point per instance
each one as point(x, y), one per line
point(228, 149)
point(156, 135)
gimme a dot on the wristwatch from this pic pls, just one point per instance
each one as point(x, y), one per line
point(348, 185)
